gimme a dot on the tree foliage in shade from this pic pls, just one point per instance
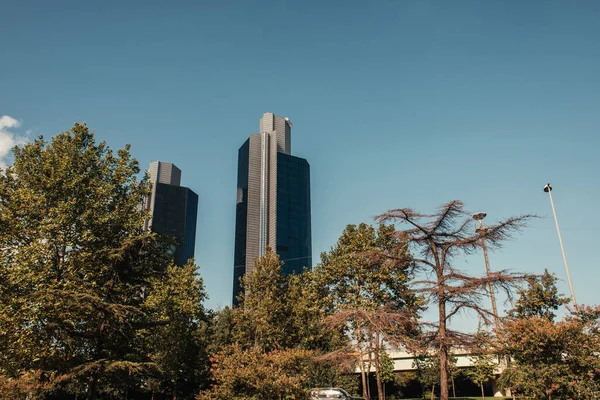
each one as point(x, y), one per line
point(177, 336)
point(255, 374)
point(270, 345)
point(551, 359)
point(428, 371)
point(77, 270)
point(279, 312)
point(365, 278)
point(434, 240)
point(484, 361)
point(263, 318)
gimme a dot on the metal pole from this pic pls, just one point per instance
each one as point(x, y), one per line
point(548, 189)
point(488, 271)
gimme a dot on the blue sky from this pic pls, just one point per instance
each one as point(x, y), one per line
point(394, 104)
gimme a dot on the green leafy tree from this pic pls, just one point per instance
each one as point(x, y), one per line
point(483, 358)
point(551, 359)
point(278, 312)
point(365, 276)
point(263, 318)
point(176, 338)
point(482, 370)
point(221, 326)
point(76, 269)
point(254, 374)
point(279, 319)
point(434, 240)
point(428, 371)
point(540, 298)
point(386, 369)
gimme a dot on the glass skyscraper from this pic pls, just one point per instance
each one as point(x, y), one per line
point(273, 201)
point(174, 209)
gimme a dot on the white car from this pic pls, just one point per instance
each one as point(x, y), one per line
point(331, 393)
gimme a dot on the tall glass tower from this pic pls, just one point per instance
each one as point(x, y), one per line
point(273, 201)
point(173, 208)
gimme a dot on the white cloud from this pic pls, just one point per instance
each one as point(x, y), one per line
point(8, 122)
point(9, 139)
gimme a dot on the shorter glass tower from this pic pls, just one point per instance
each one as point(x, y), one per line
point(174, 210)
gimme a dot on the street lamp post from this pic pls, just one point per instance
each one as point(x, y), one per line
point(479, 217)
point(548, 189)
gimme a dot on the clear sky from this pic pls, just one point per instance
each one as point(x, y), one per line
point(394, 104)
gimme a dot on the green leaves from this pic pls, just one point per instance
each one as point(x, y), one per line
point(557, 359)
point(253, 374)
point(176, 336)
point(80, 281)
point(270, 347)
point(539, 299)
point(365, 278)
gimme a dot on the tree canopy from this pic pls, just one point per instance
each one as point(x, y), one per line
point(551, 359)
point(80, 280)
point(366, 278)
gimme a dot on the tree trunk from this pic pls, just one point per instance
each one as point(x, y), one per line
point(453, 390)
point(380, 393)
point(368, 374)
point(443, 347)
point(482, 392)
point(379, 386)
point(432, 391)
point(363, 376)
point(92, 393)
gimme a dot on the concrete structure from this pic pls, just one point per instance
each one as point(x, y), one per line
point(273, 201)
point(406, 362)
point(173, 209)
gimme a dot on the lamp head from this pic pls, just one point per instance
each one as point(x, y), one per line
point(547, 188)
point(479, 216)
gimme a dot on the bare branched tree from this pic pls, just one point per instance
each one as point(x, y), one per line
point(433, 241)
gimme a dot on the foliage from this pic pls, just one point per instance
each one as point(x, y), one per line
point(254, 374)
point(433, 241)
point(551, 359)
point(176, 339)
point(482, 370)
point(365, 279)
point(484, 361)
point(387, 367)
point(262, 321)
point(278, 311)
point(279, 318)
point(428, 370)
point(540, 298)
point(29, 385)
point(77, 270)
point(221, 326)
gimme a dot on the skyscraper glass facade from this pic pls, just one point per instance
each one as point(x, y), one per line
point(174, 214)
point(273, 201)
point(293, 213)
point(241, 219)
point(173, 209)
